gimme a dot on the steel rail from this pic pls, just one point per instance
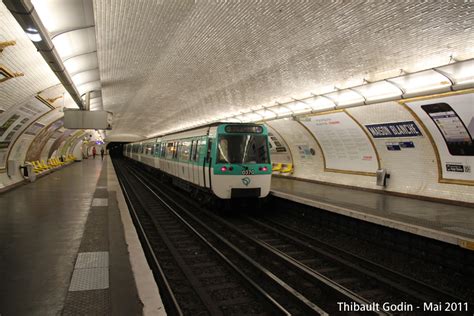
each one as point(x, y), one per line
point(313, 308)
point(172, 306)
point(204, 296)
point(419, 290)
point(330, 286)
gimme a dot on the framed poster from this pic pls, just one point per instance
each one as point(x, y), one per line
point(449, 123)
point(14, 122)
point(345, 144)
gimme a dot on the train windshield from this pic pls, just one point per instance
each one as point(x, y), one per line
point(242, 149)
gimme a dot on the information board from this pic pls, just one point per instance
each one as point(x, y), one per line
point(345, 145)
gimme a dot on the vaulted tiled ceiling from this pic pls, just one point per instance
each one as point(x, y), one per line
point(21, 57)
point(165, 63)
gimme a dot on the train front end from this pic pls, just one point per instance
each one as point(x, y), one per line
point(242, 167)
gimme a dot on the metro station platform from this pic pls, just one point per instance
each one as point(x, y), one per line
point(65, 251)
point(440, 221)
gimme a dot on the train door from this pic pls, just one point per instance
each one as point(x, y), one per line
point(207, 165)
point(197, 179)
point(174, 167)
point(184, 163)
point(195, 157)
point(191, 161)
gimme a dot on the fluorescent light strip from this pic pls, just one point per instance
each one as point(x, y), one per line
point(434, 80)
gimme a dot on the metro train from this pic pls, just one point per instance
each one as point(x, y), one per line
point(227, 160)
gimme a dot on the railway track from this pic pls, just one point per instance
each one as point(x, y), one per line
point(191, 274)
point(294, 269)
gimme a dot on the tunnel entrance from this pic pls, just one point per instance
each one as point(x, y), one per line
point(116, 149)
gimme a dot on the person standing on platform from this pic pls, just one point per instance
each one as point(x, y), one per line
point(94, 152)
point(102, 151)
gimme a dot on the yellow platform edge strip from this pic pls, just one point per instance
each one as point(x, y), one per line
point(466, 244)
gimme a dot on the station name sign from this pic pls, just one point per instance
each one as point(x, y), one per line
point(396, 129)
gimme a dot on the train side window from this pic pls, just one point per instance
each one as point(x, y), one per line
point(184, 149)
point(209, 149)
point(202, 148)
point(163, 150)
point(170, 150)
point(176, 149)
point(196, 151)
point(191, 150)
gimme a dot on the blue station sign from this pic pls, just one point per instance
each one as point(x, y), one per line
point(395, 129)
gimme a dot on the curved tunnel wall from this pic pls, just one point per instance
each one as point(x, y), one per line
point(417, 170)
point(28, 132)
point(418, 164)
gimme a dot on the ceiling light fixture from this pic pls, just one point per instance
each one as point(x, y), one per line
point(454, 76)
point(33, 34)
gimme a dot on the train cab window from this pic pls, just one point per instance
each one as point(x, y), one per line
point(242, 149)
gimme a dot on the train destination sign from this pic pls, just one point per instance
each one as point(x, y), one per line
point(244, 129)
point(395, 129)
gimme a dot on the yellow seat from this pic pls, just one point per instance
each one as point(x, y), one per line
point(39, 165)
point(276, 166)
point(58, 162)
point(44, 165)
point(287, 168)
point(36, 167)
point(51, 163)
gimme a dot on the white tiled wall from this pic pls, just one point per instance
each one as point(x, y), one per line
point(20, 149)
point(412, 170)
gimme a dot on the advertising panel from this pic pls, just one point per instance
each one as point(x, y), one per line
point(449, 121)
point(14, 121)
point(279, 151)
point(34, 152)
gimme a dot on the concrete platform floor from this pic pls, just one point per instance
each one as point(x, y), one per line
point(441, 221)
point(53, 228)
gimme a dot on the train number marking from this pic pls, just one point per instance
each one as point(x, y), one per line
point(247, 172)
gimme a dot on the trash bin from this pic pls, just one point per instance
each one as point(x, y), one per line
point(28, 172)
